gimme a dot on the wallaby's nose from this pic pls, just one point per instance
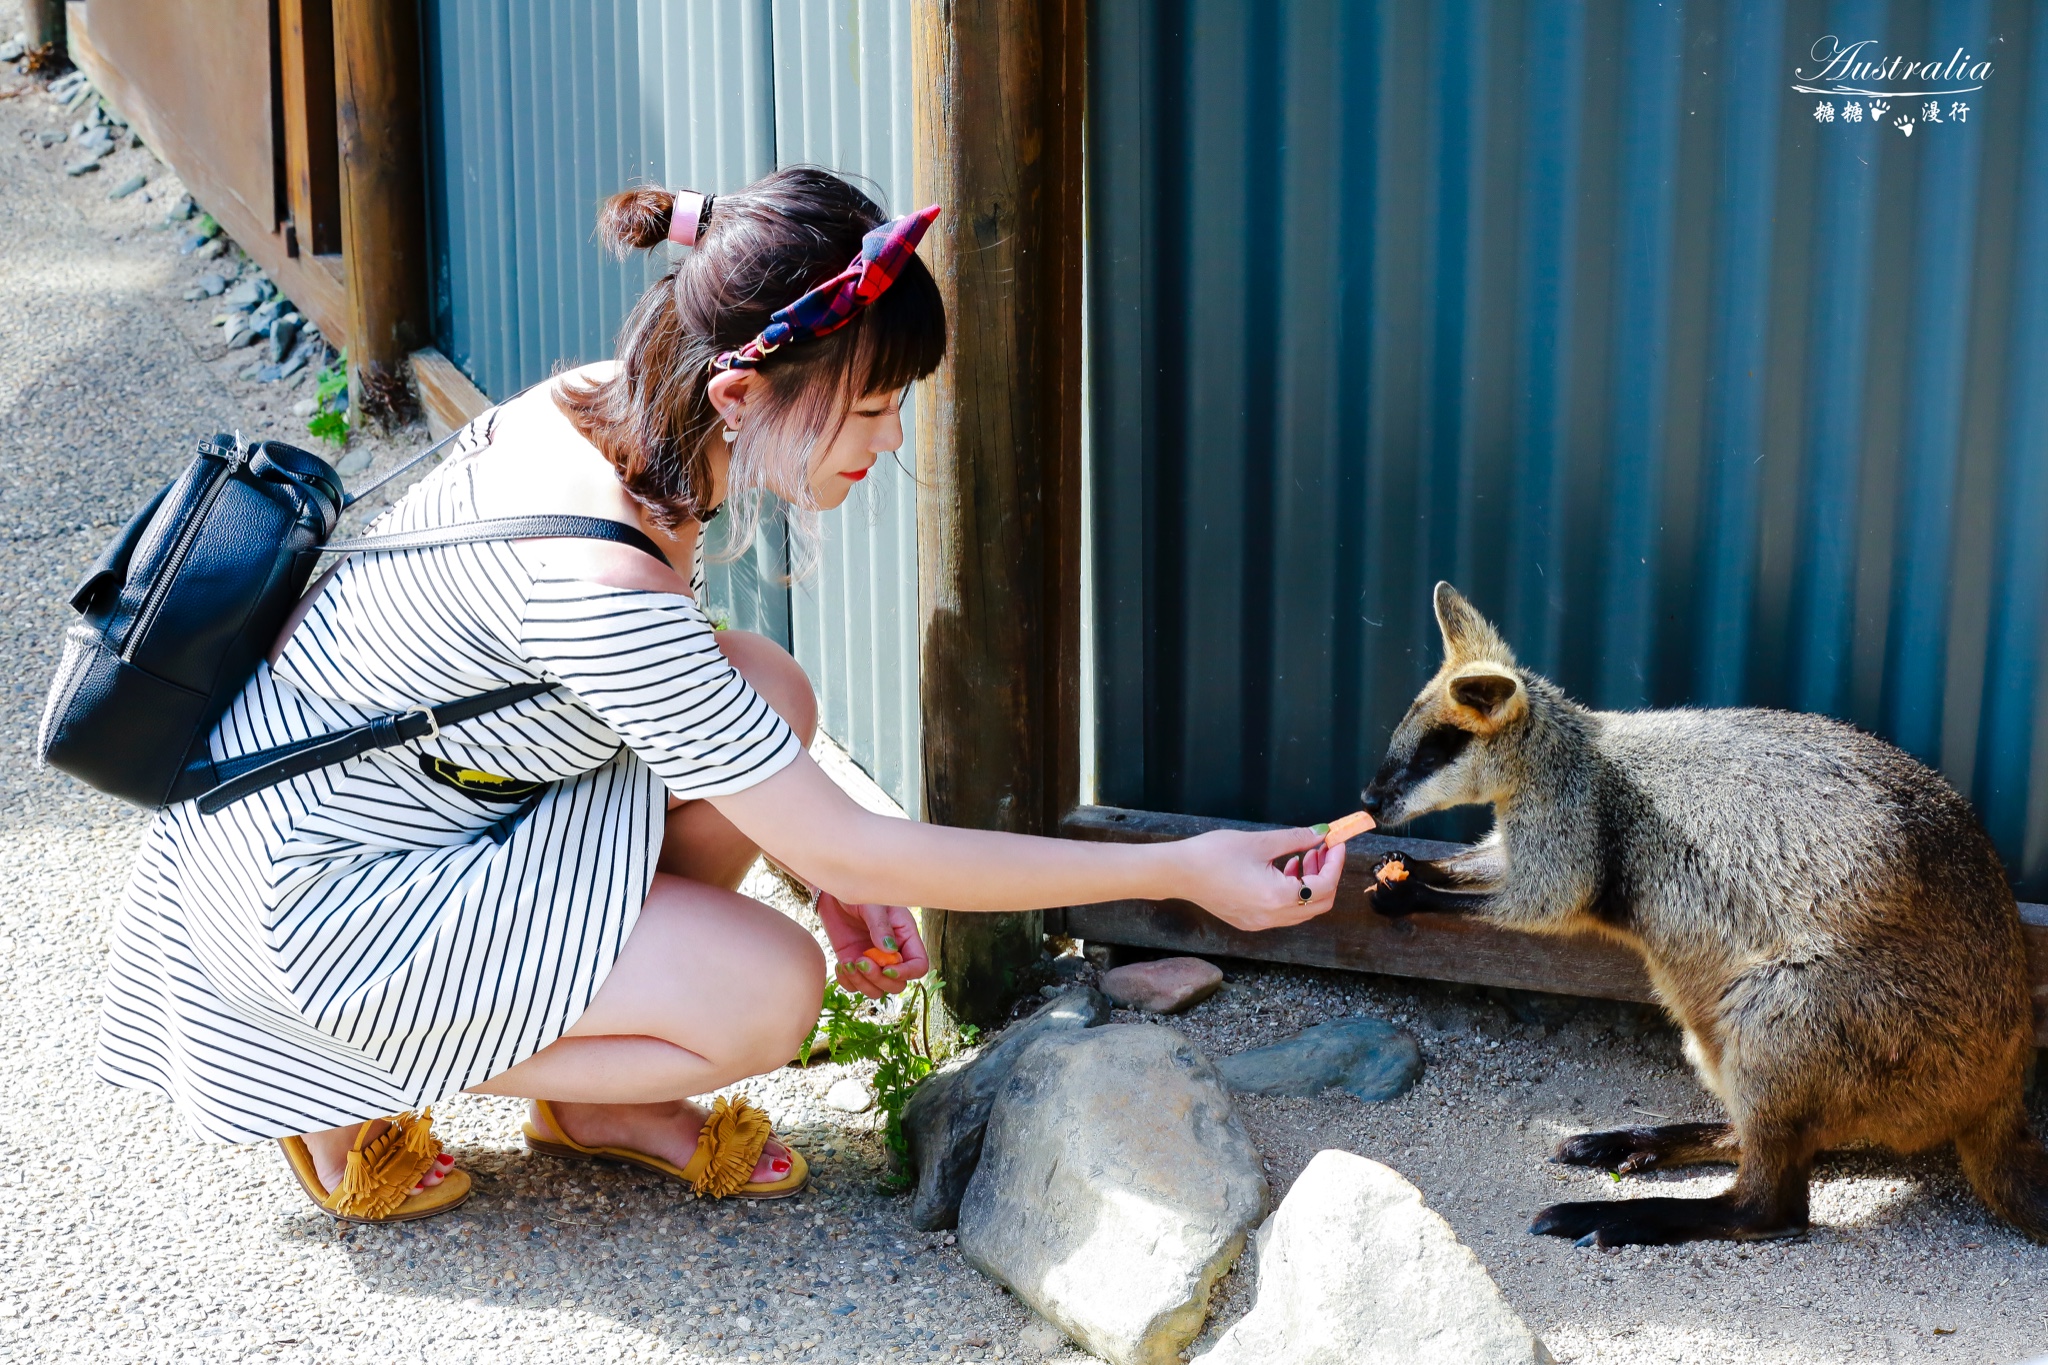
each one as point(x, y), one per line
point(1370, 802)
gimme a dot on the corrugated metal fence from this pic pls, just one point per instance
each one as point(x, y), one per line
point(536, 112)
point(1709, 391)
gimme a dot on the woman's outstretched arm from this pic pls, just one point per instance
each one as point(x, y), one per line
point(802, 818)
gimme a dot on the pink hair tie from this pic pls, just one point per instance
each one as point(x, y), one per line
point(684, 216)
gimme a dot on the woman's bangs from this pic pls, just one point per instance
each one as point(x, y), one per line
point(902, 334)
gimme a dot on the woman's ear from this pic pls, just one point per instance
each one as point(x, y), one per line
point(730, 389)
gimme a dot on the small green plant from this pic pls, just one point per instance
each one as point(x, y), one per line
point(896, 1035)
point(330, 417)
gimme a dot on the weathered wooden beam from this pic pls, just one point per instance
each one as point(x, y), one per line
point(312, 144)
point(446, 393)
point(383, 200)
point(997, 124)
point(1437, 947)
point(313, 284)
point(42, 24)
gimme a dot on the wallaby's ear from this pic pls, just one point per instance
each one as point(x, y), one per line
point(1467, 634)
point(1494, 696)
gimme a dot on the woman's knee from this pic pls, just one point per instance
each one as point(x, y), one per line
point(791, 989)
point(770, 671)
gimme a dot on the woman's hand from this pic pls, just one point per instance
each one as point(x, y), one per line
point(854, 929)
point(1232, 874)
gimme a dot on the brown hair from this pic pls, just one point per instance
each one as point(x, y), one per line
point(759, 250)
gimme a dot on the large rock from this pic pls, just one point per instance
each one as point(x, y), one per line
point(1353, 1270)
point(944, 1120)
point(1369, 1057)
point(1116, 1185)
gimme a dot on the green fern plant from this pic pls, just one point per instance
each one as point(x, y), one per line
point(330, 417)
point(896, 1035)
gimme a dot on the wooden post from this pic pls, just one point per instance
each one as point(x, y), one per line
point(999, 90)
point(383, 200)
point(42, 24)
point(311, 128)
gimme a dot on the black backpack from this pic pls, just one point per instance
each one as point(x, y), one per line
point(183, 606)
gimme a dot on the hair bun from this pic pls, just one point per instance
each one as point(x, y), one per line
point(635, 220)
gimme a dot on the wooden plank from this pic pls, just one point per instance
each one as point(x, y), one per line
point(450, 400)
point(383, 200)
point(312, 144)
point(135, 80)
point(996, 120)
point(1436, 947)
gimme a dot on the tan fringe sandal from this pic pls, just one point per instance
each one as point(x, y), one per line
point(727, 1151)
point(377, 1184)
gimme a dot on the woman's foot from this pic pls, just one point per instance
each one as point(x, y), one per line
point(330, 1149)
point(667, 1130)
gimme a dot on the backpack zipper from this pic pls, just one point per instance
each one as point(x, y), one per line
point(187, 533)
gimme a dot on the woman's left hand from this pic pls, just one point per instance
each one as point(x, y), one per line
point(854, 929)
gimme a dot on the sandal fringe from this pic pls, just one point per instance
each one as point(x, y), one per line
point(381, 1173)
point(729, 1147)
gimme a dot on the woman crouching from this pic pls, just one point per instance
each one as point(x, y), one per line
point(541, 901)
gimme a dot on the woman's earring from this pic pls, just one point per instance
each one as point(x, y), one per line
point(732, 427)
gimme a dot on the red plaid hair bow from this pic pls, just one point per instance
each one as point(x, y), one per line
point(884, 251)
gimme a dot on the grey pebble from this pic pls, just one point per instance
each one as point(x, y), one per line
point(89, 164)
point(128, 186)
point(12, 51)
point(50, 137)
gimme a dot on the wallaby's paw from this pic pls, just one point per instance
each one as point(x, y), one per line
point(1393, 889)
point(1654, 1222)
point(1616, 1150)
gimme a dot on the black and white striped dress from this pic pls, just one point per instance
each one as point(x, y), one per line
point(374, 936)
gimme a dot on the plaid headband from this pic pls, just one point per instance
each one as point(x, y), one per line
point(884, 251)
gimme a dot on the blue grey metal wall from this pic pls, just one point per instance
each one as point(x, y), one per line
point(1580, 306)
point(842, 99)
point(536, 112)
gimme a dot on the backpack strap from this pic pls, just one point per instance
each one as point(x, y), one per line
point(502, 528)
point(221, 784)
point(235, 778)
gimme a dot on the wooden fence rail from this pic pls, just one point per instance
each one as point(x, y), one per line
point(1437, 947)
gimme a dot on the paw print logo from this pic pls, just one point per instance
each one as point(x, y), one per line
point(1904, 125)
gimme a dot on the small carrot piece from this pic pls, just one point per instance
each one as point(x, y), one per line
point(1341, 831)
point(882, 957)
point(1393, 872)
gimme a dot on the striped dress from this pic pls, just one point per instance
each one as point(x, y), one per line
point(379, 934)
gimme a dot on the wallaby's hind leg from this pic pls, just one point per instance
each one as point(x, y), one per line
point(1768, 1200)
point(1628, 1150)
point(2008, 1168)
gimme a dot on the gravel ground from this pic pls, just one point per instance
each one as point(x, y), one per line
point(123, 1239)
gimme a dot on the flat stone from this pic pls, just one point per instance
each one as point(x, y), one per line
point(849, 1096)
point(12, 50)
point(50, 137)
point(1354, 1270)
point(82, 167)
point(944, 1120)
point(1116, 1185)
point(128, 186)
point(246, 294)
point(1167, 986)
point(210, 284)
point(1368, 1057)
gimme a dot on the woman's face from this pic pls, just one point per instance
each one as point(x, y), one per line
point(873, 427)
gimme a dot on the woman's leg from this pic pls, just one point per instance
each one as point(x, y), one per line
point(619, 1075)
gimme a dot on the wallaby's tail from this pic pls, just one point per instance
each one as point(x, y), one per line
point(2009, 1168)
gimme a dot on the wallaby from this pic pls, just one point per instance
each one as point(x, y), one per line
point(1823, 916)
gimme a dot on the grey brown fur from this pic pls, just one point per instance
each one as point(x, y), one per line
point(1822, 915)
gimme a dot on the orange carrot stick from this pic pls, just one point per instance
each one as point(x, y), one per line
point(882, 957)
point(1348, 828)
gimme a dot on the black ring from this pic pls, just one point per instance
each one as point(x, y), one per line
point(1306, 894)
